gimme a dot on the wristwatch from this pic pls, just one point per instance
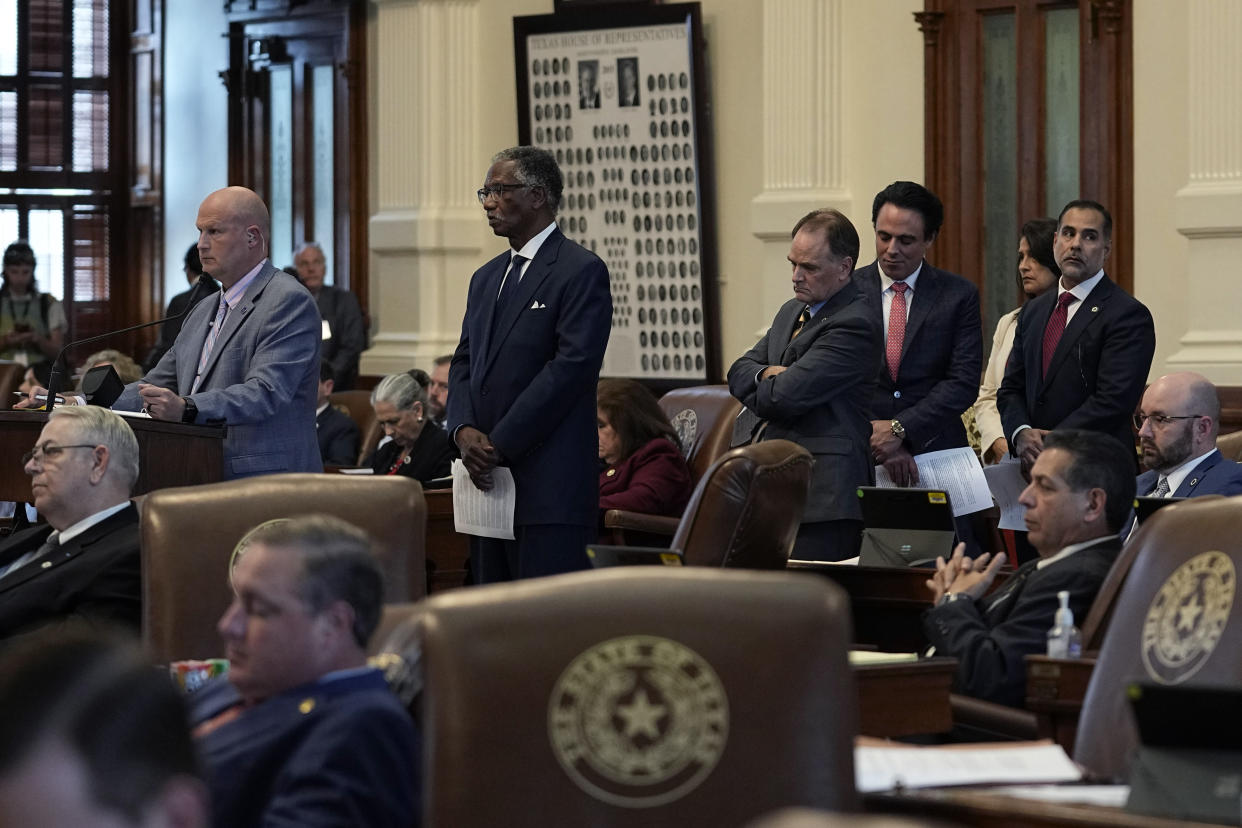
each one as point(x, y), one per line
point(899, 431)
point(950, 597)
point(191, 411)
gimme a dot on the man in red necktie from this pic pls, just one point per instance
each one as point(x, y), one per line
point(933, 339)
point(1082, 352)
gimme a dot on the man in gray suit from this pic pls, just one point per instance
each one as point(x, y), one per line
point(249, 357)
point(810, 378)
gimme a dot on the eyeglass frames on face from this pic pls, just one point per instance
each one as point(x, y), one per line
point(1162, 420)
point(46, 452)
point(497, 190)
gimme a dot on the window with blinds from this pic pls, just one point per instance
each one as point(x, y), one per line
point(55, 110)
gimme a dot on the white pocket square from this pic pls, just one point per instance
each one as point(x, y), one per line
point(537, 305)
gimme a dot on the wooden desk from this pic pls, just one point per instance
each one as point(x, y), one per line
point(1055, 689)
point(905, 699)
point(169, 454)
point(978, 807)
point(886, 603)
point(447, 551)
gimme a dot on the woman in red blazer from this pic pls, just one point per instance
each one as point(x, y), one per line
point(643, 470)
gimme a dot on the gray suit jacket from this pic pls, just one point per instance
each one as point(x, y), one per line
point(260, 381)
point(821, 401)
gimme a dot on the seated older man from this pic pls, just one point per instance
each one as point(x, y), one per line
point(83, 566)
point(301, 731)
point(1082, 485)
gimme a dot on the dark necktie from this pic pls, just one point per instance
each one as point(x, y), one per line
point(1056, 327)
point(999, 607)
point(509, 289)
point(896, 328)
point(44, 552)
point(803, 318)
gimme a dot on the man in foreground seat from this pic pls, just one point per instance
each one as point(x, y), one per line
point(92, 735)
point(83, 566)
point(302, 732)
point(1079, 496)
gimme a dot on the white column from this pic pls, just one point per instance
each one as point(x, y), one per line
point(1209, 206)
point(426, 235)
point(803, 124)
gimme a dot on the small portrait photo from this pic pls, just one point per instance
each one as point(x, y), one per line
point(627, 81)
point(588, 84)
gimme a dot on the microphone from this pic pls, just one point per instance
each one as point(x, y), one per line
point(58, 372)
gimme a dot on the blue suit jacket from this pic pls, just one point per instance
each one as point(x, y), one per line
point(1214, 475)
point(335, 753)
point(261, 380)
point(531, 387)
point(1097, 373)
point(820, 402)
point(941, 359)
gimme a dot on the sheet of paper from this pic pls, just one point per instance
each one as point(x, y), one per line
point(486, 514)
point(356, 471)
point(1106, 796)
point(859, 657)
point(1006, 483)
point(957, 471)
point(140, 415)
point(885, 768)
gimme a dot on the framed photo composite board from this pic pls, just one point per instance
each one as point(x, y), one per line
point(619, 95)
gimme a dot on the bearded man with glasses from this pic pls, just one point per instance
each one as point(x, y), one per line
point(1177, 424)
point(83, 565)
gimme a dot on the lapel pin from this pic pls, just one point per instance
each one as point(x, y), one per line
point(1095, 308)
point(1194, 481)
point(306, 706)
point(47, 564)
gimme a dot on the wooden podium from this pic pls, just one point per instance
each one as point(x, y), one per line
point(170, 454)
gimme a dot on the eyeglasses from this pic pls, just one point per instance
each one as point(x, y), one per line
point(1161, 420)
point(47, 452)
point(497, 190)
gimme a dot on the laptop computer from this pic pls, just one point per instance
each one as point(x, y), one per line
point(905, 527)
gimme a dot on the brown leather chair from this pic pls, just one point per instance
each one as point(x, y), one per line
point(1176, 620)
point(1230, 445)
point(188, 534)
point(703, 416)
point(358, 406)
point(634, 696)
point(747, 507)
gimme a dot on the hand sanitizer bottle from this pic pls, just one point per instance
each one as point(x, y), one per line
point(1064, 640)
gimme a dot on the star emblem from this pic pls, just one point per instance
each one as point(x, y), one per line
point(641, 716)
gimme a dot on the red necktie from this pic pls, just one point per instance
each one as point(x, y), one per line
point(896, 328)
point(1056, 327)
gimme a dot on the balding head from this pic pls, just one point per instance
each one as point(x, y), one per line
point(1191, 400)
point(234, 227)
